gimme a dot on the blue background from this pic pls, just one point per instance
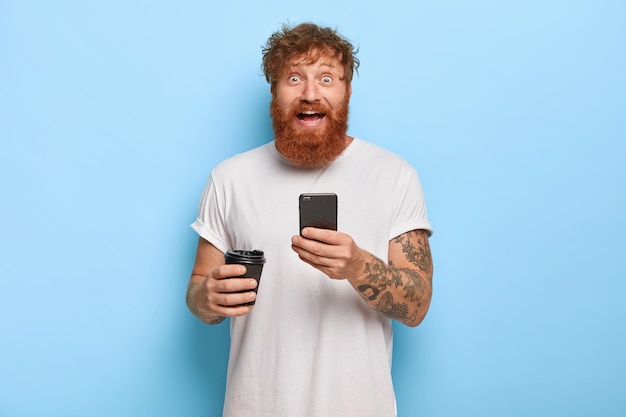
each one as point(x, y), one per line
point(113, 113)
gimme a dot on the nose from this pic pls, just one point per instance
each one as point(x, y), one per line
point(310, 92)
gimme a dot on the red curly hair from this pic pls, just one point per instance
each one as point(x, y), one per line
point(306, 39)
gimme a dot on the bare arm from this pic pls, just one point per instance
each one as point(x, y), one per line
point(210, 296)
point(401, 289)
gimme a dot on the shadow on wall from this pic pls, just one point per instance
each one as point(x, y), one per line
point(208, 345)
point(204, 347)
point(259, 129)
point(411, 354)
point(208, 360)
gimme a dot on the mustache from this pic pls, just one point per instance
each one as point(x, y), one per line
point(301, 107)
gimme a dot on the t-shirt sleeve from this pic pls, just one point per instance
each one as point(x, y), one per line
point(210, 223)
point(409, 205)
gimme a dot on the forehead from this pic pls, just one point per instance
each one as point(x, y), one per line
point(315, 58)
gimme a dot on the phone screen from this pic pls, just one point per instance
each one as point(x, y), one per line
point(318, 210)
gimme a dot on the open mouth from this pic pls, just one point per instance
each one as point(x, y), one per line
point(311, 117)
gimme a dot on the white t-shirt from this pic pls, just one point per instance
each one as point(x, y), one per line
point(311, 347)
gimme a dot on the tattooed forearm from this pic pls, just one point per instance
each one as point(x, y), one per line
point(383, 279)
point(191, 304)
point(401, 292)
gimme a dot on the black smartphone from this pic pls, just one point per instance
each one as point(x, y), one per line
point(318, 210)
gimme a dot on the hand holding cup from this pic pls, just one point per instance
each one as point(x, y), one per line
point(253, 262)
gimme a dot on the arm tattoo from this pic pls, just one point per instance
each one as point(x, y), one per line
point(382, 277)
point(419, 256)
point(191, 293)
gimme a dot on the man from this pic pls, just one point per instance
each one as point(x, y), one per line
point(318, 340)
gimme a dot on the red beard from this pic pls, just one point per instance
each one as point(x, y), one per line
point(311, 148)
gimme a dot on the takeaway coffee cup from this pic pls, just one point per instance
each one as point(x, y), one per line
point(253, 260)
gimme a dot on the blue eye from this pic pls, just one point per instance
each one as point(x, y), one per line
point(294, 79)
point(326, 80)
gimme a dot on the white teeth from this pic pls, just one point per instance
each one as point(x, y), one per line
point(309, 112)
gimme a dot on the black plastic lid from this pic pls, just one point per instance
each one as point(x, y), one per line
point(250, 256)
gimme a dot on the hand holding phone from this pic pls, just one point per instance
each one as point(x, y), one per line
point(334, 254)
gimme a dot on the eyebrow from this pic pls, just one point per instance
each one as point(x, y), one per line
point(307, 61)
point(323, 64)
point(322, 67)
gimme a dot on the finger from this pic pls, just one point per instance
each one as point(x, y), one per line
point(311, 246)
point(230, 285)
point(313, 259)
point(234, 300)
point(228, 311)
point(228, 271)
point(330, 237)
